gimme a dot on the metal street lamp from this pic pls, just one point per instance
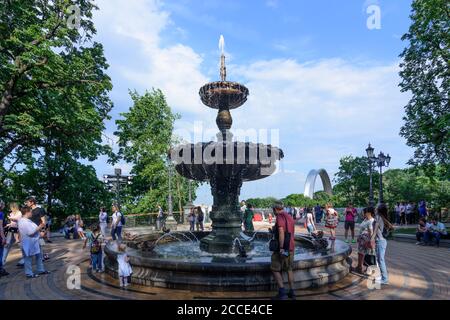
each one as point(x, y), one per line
point(370, 157)
point(171, 223)
point(380, 161)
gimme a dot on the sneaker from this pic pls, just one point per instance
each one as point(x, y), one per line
point(291, 295)
point(353, 241)
point(44, 272)
point(346, 241)
point(32, 276)
point(281, 295)
point(418, 243)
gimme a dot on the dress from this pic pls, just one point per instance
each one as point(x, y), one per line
point(331, 219)
point(248, 220)
point(364, 237)
point(124, 266)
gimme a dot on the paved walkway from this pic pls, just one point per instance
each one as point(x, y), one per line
point(415, 273)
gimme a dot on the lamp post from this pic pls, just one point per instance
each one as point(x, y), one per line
point(171, 223)
point(380, 161)
point(370, 157)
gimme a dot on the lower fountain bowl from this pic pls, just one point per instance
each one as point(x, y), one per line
point(182, 265)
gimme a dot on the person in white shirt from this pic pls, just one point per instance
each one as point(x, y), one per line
point(116, 225)
point(103, 221)
point(12, 226)
point(30, 233)
point(435, 229)
point(402, 213)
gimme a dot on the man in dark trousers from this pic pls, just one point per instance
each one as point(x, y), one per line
point(283, 260)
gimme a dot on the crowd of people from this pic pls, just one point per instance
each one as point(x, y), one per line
point(410, 212)
point(196, 219)
point(431, 232)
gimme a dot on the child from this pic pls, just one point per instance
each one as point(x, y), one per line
point(79, 226)
point(124, 265)
point(94, 238)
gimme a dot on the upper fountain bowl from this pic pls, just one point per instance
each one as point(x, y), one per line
point(223, 95)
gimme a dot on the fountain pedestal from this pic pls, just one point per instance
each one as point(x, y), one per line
point(225, 215)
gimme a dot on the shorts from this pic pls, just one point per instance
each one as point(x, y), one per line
point(349, 225)
point(281, 263)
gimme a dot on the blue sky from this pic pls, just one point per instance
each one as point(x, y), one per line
point(315, 72)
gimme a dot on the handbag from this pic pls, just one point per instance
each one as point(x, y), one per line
point(370, 260)
point(274, 244)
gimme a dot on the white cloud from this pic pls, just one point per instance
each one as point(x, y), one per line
point(175, 69)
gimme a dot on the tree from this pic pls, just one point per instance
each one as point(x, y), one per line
point(145, 138)
point(352, 181)
point(425, 74)
point(47, 76)
point(54, 100)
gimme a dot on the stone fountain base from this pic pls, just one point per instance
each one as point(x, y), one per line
point(227, 273)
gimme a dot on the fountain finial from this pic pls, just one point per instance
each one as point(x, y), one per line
point(223, 69)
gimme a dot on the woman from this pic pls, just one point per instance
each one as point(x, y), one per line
point(365, 243)
point(191, 219)
point(248, 218)
point(103, 221)
point(382, 223)
point(12, 227)
point(310, 225)
point(331, 220)
point(199, 221)
point(79, 227)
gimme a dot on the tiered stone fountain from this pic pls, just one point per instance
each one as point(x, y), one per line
point(216, 262)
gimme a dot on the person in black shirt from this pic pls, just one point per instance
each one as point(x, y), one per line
point(38, 216)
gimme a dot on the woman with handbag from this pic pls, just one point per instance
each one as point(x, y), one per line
point(382, 229)
point(366, 244)
point(331, 220)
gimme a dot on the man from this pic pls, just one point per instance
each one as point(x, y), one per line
point(38, 216)
point(350, 217)
point(409, 212)
point(435, 230)
point(318, 213)
point(2, 239)
point(423, 212)
point(29, 234)
point(402, 213)
point(421, 230)
point(397, 213)
point(116, 225)
point(283, 260)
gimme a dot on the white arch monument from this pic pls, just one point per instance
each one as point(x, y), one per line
point(311, 181)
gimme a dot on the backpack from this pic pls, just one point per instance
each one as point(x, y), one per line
point(122, 219)
point(96, 247)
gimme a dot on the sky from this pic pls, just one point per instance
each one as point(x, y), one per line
point(323, 75)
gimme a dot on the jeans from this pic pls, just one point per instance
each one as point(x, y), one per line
point(380, 247)
point(397, 218)
point(1, 257)
point(419, 236)
point(310, 228)
point(430, 235)
point(10, 240)
point(39, 264)
point(116, 231)
point(159, 223)
point(96, 260)
point(103, 226)
point(192, 225)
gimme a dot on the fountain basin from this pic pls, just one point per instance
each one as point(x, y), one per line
point(227, 272)
point(221, 160)
point(223, 95)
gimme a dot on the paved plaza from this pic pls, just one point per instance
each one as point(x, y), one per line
point(415, 273)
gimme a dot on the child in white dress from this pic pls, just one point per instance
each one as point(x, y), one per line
point(124, 266)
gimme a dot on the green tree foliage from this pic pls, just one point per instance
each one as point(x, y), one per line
point(414, 185)
point(352, 181)
point(145, 138)
point(54, 100)
point(425, 74)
